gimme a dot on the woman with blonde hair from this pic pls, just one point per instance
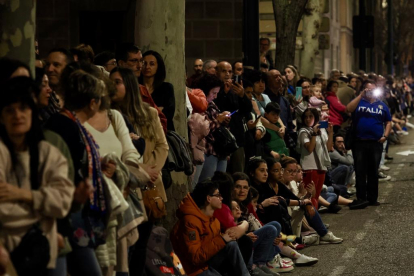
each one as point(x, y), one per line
point(146, 124)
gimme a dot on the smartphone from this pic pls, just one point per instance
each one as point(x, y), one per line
point(237, 78)
point(323, 124)
point(229, 115)
point(298, 93)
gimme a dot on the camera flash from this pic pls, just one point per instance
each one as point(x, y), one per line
point(377, 92)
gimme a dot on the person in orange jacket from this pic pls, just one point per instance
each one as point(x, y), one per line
point(196, 237)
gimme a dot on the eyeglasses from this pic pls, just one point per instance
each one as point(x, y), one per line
point(292, 172)
point(217, 195)
point(238, 187)
point(135, 61)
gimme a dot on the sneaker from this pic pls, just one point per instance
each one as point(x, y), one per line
point(375, 203)
point(287, 261)
point(311, 240)
point(384, 168)
point(258, 272)
point(330, 238)
point(358, 204)
point(267, 270)
point(276, 265)
point(382, 177)
point(304, 260)
point(387, 157)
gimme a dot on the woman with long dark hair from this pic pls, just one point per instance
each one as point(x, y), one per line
point(153, 78)
point(35, 189)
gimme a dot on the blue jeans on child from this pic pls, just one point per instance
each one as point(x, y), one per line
point(263, 247)
point(329, 195)
point(211, 164)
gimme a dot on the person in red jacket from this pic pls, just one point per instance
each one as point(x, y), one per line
point(336, 108)
point(196, 237)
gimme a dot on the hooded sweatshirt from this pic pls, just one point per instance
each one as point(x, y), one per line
point(196, 238)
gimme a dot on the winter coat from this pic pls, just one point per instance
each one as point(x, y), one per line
point(336, 109)
point(199, 128)
point(196, 238)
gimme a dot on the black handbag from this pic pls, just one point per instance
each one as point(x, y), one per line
point(32, 255)
point(224, 142)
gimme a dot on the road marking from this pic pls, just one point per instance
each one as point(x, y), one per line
point(349, 253)
point(360, 236)
point(338, 271)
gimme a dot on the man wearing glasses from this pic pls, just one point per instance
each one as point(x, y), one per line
point(129, 56)
point(196, 237)
point(265, 53)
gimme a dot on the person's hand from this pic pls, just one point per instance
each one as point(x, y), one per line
point(153, 173)
point(227, 85)
point(133, 136)
point(270, 201)
point(307, 202)
point(259, 134)
point(11, 193)
point(275, 155)
point(60, 241)
point(223, 117)
point(252, 236)
point(382, 140)
point(82, 192)
point(311, 189)
point(302, 189)
point(330, 128)
point(232, 233)
point(282, 130)
point(238, 88)
point(251, 124)
point(227, 237)
point(109, 168)
point(316, 128)
point(277, 240)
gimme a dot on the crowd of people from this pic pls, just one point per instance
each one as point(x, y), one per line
point(85, 153)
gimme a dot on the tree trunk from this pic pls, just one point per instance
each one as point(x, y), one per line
point(311, 24)
point(162, 28)
point(17, 29)
point(288, 14)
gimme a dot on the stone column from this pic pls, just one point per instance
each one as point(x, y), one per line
point(17, 29)
point(161, 27)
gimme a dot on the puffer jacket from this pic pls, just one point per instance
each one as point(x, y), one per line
point(196, 238)
point(199, 128)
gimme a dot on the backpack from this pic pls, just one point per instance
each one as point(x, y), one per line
point(161, 259)
point(224, 142)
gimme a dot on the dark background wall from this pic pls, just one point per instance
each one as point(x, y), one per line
point(213, 30)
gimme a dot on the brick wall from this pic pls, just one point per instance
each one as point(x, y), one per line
point(213, 30)
point(52, 24)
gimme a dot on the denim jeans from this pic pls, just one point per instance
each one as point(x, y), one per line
point(228, 260)
point(317, 223)
point(82, 261)
point(342, 174)
point(211, 164)
point(263, 247)
point(367, 158)
point(329, 195)
point(60, 268)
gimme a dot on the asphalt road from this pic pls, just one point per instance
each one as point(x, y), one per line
point(377, 240)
